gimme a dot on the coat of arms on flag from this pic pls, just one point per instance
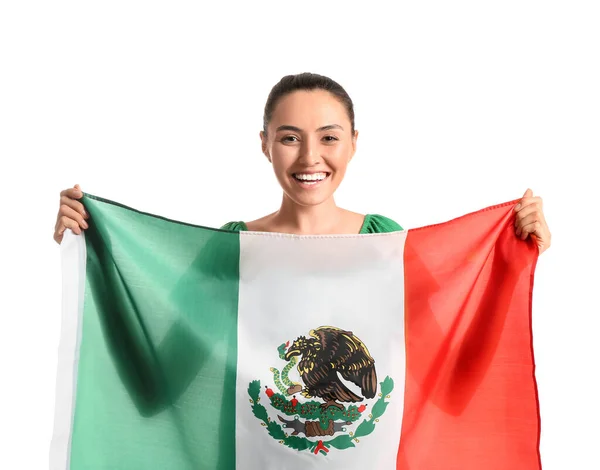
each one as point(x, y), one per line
point(332, 360)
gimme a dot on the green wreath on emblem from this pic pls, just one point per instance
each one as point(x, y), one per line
point(313, 418)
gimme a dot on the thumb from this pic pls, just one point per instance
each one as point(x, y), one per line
point(528, 193)
point(77, 193)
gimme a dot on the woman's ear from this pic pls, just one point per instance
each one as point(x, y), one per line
point(354, 139)
point(265, 149)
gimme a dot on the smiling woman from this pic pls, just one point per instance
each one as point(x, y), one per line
point(309, 138)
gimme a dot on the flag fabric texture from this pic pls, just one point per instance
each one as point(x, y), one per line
point(187, 347)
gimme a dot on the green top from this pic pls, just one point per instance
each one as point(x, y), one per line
point(373, 223)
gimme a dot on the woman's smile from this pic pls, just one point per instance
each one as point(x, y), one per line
point(310, 180)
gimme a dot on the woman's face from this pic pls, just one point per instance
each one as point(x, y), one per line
point(309, 144)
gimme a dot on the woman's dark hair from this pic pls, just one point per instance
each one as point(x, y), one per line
point(306, 81)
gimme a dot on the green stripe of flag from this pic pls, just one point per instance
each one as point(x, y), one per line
point(156, 381)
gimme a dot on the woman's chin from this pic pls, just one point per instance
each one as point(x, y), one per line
point(307, 200)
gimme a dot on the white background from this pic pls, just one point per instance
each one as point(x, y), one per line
point(158, 105)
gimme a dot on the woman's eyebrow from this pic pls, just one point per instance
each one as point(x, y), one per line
point(297, 129)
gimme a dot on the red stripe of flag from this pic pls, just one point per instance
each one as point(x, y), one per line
point(471, 396)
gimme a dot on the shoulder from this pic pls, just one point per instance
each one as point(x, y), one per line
point(235, 226)
point(376, 223)
point(259, 225)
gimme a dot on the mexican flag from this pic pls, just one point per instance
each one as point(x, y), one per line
point(188, 347)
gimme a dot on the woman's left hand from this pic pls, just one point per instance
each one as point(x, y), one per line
point(530, 220)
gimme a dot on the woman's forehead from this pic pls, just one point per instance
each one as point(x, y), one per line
point(312, 107)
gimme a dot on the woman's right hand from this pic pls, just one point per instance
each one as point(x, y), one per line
point(71, 213)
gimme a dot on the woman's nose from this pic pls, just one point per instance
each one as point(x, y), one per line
point(309, 152)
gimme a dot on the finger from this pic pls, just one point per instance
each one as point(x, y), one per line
point(530, 219)
point(528, 201)
point(523, 232)
point(70, 213)
point(62, 227)
point(527, 211)
point(74, 192)
point(528, 193)
point(65, 223)
point(73, 204)
point(533, 217)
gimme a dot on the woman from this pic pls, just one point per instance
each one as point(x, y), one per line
point(309, 138)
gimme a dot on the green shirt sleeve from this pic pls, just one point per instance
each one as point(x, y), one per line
point(237, 226)
point(375, 223)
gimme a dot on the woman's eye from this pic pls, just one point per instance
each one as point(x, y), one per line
point(293, 138)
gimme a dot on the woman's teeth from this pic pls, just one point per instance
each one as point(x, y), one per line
point(310, 178)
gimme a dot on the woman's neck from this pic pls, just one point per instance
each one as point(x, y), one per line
point(323, 218)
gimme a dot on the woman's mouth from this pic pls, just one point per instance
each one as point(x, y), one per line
point(308, 180)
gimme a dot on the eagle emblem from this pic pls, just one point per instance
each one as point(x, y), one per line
point(325, 408)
